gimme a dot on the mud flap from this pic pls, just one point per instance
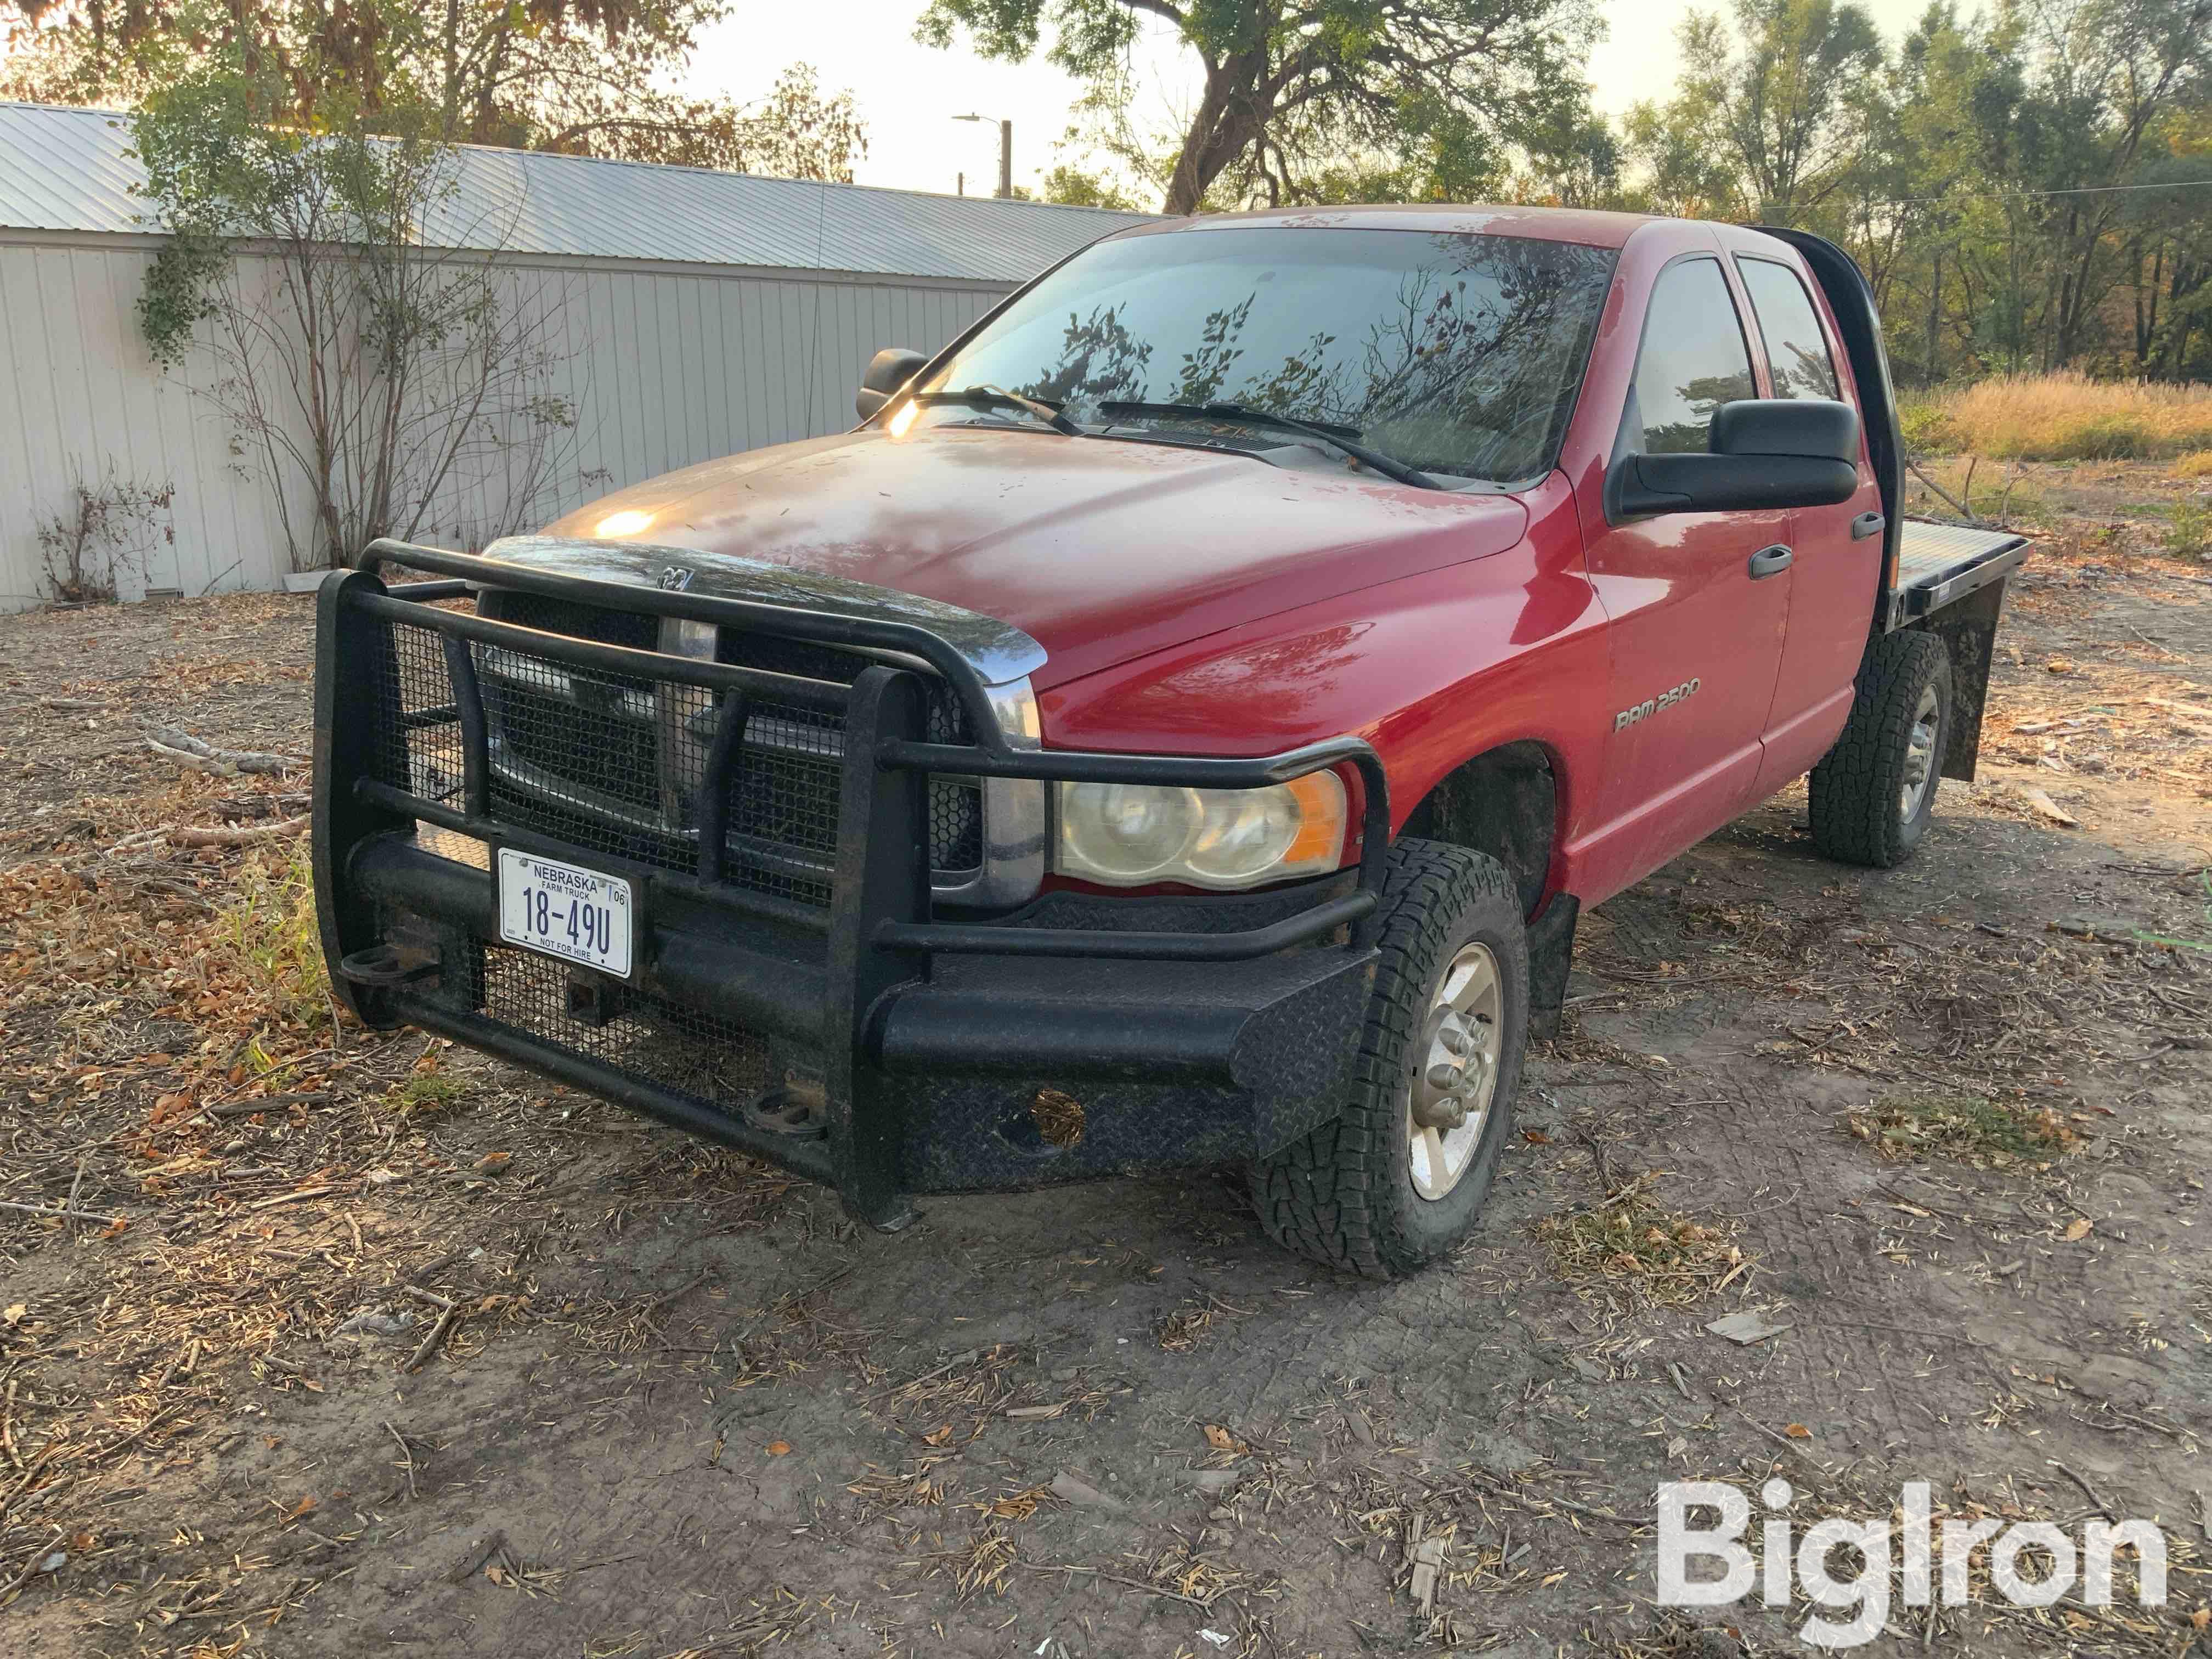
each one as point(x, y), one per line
point(1551, 954)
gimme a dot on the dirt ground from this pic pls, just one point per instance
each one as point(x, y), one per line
point(371, 1346)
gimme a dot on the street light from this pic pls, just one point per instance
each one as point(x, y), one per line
point(1006, 152)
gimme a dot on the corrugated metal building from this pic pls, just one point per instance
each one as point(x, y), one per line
point(698, 313)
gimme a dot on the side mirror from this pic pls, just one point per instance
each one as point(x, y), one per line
point(888, 370)
point(1767, 453)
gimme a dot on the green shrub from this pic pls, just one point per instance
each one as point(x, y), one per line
point(1926, 431)
point(2189, 531)
point(270, 936)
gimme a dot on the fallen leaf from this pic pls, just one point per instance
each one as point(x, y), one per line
point(779, 1447)
point(1745, 1328)
point(2044, 807)
point(2058, 665)
point(496, 1574)
point(300, 1508)
point(1071, 1489)
point(1797, 1431)
point(1219, 1438)
point(937, 1436)
point(493, 1162)
point(1535, 1137)
point(15, 1312)
point(2079, 1229)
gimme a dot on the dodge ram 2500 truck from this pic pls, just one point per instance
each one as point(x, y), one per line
point(1180, 724)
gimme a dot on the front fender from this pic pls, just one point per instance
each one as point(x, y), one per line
point(1432, 668)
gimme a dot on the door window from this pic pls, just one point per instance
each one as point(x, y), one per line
point(1693, 360)
point(1796, 351)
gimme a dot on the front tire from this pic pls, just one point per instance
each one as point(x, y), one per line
point(1399, 1178)
point(1873, 794)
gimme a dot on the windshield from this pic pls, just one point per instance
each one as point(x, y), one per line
point(1451, 353)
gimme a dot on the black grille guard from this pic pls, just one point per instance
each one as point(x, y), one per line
point(876, 935)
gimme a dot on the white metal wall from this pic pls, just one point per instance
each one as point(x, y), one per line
point(666, 366)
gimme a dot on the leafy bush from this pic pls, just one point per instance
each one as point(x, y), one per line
point(104, 533)
point(1926, 431)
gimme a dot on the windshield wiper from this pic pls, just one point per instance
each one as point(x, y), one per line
point(993, 397)
point(1348, 443)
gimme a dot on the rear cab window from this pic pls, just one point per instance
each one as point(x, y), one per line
point(1693, 359)
point(1796, 349)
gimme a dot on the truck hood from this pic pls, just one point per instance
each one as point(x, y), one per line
point(1100, 551)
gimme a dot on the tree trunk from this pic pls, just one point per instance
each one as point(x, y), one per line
point(1935, 372)
point(450, 93)
point(1227, 121)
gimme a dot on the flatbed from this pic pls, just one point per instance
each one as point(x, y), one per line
point(1939, 563)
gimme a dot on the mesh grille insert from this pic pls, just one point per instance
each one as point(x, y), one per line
point(713, 1060)
point(613, 764)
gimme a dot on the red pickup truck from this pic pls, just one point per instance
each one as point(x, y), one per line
point(1180, 724)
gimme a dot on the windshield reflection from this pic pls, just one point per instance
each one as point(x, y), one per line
point(1452, 353)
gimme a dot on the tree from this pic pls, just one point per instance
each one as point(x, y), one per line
point(1286, 83)
point(2113, 70)
point(1072, 186)
point(363, 374)
point(1572, 159)
point(1774, 117)
point(583, 76)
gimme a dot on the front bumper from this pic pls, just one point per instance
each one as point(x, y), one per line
point(924, 1046)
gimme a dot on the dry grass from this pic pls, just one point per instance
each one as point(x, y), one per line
point(1914, 1127)
point(2195, 464)
point(269, 937)
point(2065, 417)
point(1184, 1327)
point(1636, 1252)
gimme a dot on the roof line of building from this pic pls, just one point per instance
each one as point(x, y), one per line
point(72, 169)
point(662, 166)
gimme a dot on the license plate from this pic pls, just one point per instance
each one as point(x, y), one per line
point(565, 911)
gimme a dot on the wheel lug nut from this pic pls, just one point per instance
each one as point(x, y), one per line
point(1455, 1040)
point(1443, 1076)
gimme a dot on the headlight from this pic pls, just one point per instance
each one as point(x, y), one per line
point(1130, 834)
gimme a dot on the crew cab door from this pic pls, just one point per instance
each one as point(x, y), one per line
point(1837, 550)
point(1696, 603)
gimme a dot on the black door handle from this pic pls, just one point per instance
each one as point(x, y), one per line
point(1866, 525)
point(1769, 561)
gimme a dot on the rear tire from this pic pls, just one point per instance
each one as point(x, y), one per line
point(1400, 1177)
point(1875, 792)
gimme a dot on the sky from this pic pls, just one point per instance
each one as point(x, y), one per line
point(908, 93)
